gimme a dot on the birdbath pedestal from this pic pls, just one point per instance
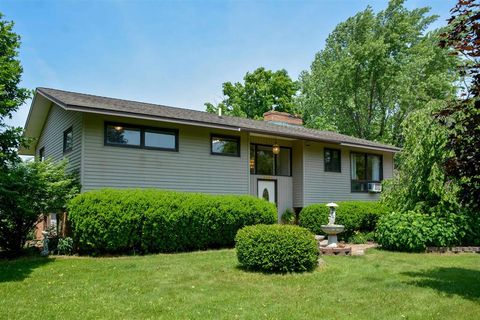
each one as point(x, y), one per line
point(332, 229)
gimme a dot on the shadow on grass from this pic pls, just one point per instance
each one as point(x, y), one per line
point(19, 269)
point(255, 271)
point(452, 281)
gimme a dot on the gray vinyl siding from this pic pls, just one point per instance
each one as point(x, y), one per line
point(297, 174)
point(323, 187)
point(192, 168)
point(51, 137)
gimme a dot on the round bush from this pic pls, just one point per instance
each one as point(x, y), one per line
point(413, 231)
point(276, 248)
point(148, 220)
point(356, 216)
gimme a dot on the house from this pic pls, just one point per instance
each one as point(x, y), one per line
point(126, 144)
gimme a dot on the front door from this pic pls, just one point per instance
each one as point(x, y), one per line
point(267, 190)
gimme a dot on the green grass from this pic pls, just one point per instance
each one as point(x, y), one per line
point(206, 285)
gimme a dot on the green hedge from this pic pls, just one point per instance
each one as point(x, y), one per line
point(276, 248)
point(413, 231)
point(356, 216)
point(148, 220)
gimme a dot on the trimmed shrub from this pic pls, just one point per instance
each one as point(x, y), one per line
point(360, 216)
point(413, 231)
point(148, 220)
point(276, 248)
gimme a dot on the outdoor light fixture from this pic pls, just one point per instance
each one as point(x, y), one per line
point(118, 128)
point(276, 149)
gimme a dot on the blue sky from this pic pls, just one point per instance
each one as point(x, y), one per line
point(175, 53)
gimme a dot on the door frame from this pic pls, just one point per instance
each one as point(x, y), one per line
point(276, 188)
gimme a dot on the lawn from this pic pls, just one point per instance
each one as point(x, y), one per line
point(205, 285)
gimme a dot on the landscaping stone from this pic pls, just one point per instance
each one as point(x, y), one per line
point(346, 249)
point(336, 251)
point(359, 252)
point(452, 249)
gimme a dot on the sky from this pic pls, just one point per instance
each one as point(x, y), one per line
point(175, 53)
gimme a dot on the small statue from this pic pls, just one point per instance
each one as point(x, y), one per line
point(45, 250)
point(331, 217)
point(332, 214)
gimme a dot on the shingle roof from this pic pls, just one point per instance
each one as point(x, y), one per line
point(92, 103)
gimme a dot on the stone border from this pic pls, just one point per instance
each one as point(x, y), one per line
point(452, 249)
point(336, 251)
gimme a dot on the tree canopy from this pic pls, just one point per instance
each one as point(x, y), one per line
point(420, 184)
point(263, 90)
point(462, 115)
point(11, 96)
point(373, 71)
point(28, 190)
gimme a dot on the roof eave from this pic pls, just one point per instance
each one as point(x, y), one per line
point(94, 110)
point(34, 123)
point(379, 148)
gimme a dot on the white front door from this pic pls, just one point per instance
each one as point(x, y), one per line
point(267, 189)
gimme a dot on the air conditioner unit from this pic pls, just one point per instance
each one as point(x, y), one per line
point(374, 187)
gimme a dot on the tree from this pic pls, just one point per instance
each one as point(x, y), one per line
point(28, 190)
point(420, 183)
point(262, 91)
point(11, 96)
point(374, 70)
point(461, 117)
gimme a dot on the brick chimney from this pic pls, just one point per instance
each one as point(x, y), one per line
point(282, 118)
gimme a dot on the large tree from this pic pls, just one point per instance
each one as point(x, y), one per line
point(420, 183)
point(27, 190)
point(11, 96)
point(462, 115)
point(373, 71)
point(262, 91)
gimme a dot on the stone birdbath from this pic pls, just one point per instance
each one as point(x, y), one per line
point(332, 229)
point(45, 250)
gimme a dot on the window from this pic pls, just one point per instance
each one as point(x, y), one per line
point(225, 145)
point(365, 168)
point(41, 154)
point(122, 135)
point(68, 140)
point(125, 135)
point(332, 159)
point(283, 162)
point(264, 162)
point(160, 139)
